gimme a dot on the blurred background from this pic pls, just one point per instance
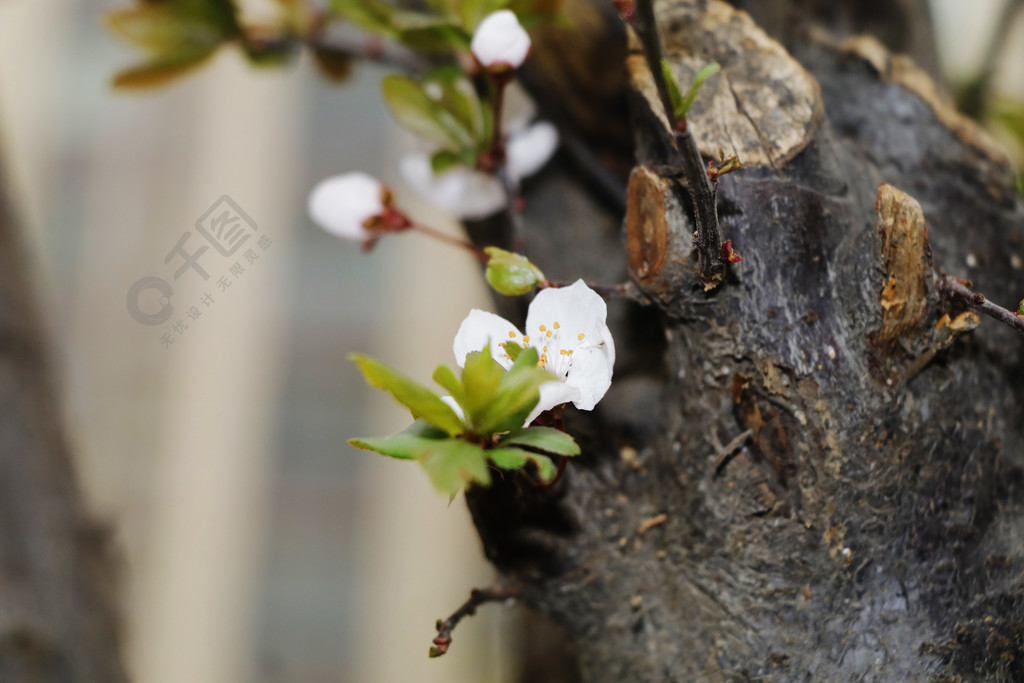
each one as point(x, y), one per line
point(254, 544)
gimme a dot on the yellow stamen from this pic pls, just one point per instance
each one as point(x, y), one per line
point(511, 335)
point(526, 338)
point(561, 352)
point(542, 328)
point(548, 333)
point(557, 325)
point(580, 336)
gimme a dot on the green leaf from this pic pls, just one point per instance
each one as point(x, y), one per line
point(159, 71)
point(417, 112)
point(481, 376)
point(512, 349)
point(454, 463)
point(176, 27)
point(409, 444)
point(437, 38)
point(515, 458)
point(369, 15)
point(691, 93)
point(421, 401)
point(444, 160)
point(510, 273)
point(459, 98)
point(515, 397)
point(545, 439)
point(445, 376)
point(675, 95)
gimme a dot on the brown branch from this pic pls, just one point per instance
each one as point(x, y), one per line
point(707, 238)
point(731, 449)
point(477, 597)
point(960, 291)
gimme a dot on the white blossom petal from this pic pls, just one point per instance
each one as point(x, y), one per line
point(467, 193)
point(454, 405)
point(531, 149)
point(553, 394)
point(341, 204)
point(500, 40)
point(479, 328)
point(576, 345)
point(519, 109)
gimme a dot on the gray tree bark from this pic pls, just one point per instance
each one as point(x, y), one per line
point(865, 521)
point(58, 620)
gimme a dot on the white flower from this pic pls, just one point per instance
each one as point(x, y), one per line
point(471, 194)
point(343, 204)
point(567, 327)
point(500, 42)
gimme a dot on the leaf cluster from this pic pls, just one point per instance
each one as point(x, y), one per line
point(457, 447)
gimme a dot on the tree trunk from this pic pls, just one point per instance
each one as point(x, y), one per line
point(865, 521)
point(57, 617)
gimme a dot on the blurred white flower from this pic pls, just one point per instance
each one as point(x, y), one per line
point(500, 42)
point(567, 326)
point(471, 194)
point(344, 204)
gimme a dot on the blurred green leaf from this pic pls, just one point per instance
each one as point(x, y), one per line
point(410, 444)
point(159, 71)
point(369, 15)
point(515, 458)
point(445, 376)
point(459, 98)
point(675, 95)
point(178, 34)
point(421, 401)
point(444, 160)
point(512, 350)
point(545, 439)
point(691, 94)
point(510, 273)
point(416, 111)
point(454, 463)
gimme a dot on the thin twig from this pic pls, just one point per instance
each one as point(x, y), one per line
point(478, 254)
point(707, 238)
point(646, 29)
point(477, 597)
point(362, 46)
point(960, 291)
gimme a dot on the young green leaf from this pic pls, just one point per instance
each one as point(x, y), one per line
point(675, 95)
point(691, 93)
point(515, 396)
point(410, 444)
point(422, 402)
point(515, 458)
point(445, 376)
point(443, 160)
point(544, 439)
point(513, 350)
point(454, 463)
point(416, 111)
point(481, 376)
point(510, 273)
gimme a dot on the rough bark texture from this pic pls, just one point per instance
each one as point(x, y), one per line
point(870, 527)
point(57, 618)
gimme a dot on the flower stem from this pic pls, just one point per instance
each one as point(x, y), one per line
point(478, 254)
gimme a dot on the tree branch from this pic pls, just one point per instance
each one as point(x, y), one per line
point(477, 597)
point(959, 291)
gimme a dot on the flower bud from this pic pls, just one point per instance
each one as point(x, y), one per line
point(344, 205)
point(500, 42)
